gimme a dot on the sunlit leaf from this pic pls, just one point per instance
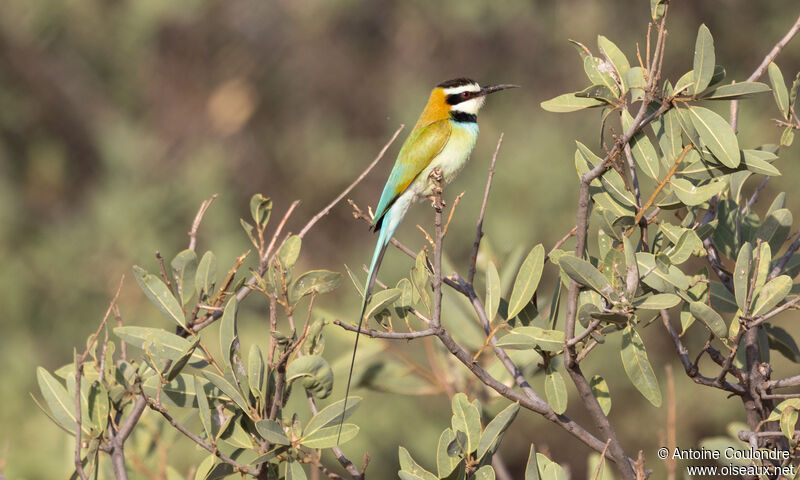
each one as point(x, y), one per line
point(528, 276)
point(637, 366)
point(159, 295)
point(704, 59)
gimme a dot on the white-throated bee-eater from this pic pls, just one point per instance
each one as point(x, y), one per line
point(443, 138)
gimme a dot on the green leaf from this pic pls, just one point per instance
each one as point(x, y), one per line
point(660, 301)
point(556, 390)
point(411, 469)
point(614, 54)
point(467, 419)
point(611, 180)
point(782, 341)
point(205, 467)
point(486, 472)
point(549, 469)
point(794, 92)
point(179, 364)
point(290, 251)
point(775, 228)
point(775, 414)
point(686, 82)
point(260, 209)
point(381, 300)
point(446, 463)
point(62, 407)
point(692, 195)
point(229, 389)
point(181, 390)
point(741, 275)
point(570, 102)
point(522, 338)
point(271, 431)
point(528, 276)
point(779, 89)
point(331, 415)
point(184, 269)
point(716, 134)
point(637, 366)
point(255, 371)
point(321, 281)
point(493, 291)
point(704, 59)
point(601, 393)
point(158, 293)
point(420, 280)
point(643, 151)
point(584, 273)
point(771, 294)
point(206, 277)
point(203, 407)
point(314, 373)
point(532, 466)
point(735, 91)
point(668, 131)
point(754, 162)
point(789, 421)
point(157, 342)
point(293, 470)
point(710, 318)
point(227, 332)
point(493, 434)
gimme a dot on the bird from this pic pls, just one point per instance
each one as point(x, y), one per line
point(442, 138)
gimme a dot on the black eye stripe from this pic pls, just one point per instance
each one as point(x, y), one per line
point(456, 98)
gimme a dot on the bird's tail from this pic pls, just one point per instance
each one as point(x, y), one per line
point(388, 227)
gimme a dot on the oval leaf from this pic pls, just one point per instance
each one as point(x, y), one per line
point(492, 291)
point(271, 431)
point(493, 434)
point(637, 366)
point(556, 390)
point(601, 393)
point(711, 318)
point(771, 294)
point(569, 102)
point(528, 276)
point(779, 90)
point(159, 294)
point(703, 59)
point(716, 134)
point(331, 415)
point(584, 273)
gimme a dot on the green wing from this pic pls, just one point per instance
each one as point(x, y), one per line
point(419, 149)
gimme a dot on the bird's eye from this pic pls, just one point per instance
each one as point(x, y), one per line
point(465, 95)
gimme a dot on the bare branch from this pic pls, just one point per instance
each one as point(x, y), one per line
point(387, 335)
point(763, 67)
point(347, 190)
point(197, 219)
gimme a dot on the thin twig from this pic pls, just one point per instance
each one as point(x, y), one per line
point(763, 67)
point(197, 219)
point(479, 226)
point(387, 335)
point(199, 441)
point(347, 190)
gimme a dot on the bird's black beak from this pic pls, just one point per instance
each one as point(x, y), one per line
point(494, 88)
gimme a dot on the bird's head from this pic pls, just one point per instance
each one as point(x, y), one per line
point(464, 97)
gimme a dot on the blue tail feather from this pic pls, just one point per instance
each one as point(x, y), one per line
point(389, 225)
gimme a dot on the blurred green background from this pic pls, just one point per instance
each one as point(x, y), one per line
point(118, 117)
